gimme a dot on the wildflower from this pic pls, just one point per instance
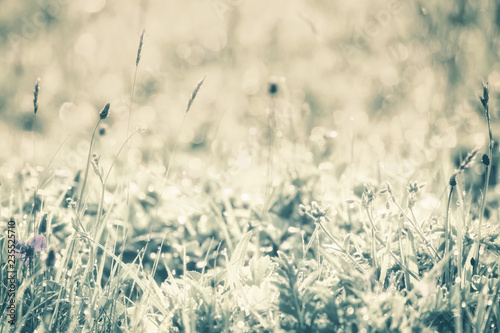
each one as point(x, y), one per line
point(26, 252)
point(368, 195)
point(319, 212)
point(315, 211)
point(414, 187)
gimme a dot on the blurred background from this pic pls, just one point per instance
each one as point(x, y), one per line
point(389, 88)
point(417, 63)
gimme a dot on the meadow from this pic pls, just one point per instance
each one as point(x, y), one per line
point(249, 166)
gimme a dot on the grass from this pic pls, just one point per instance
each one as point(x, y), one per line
point(390, 273)
point(302, 228)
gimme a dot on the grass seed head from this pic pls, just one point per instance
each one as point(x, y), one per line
point(104, 112)
point(35, 96)
point(485, 96)
point(139, 49)
point(195, 92)
point(468, 160)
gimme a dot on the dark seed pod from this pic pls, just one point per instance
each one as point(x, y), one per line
point(486, 160)
point(453, 181)
point(102, 130)
point(273, 88)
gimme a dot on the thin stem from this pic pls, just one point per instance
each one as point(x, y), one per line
point(481, 214)
point(486, 183)
point(128, 130)
point(95, 230)
point(131, 100)
point(400, 243)
point(174, 149)
point(373, 245)
point(34, 166)
point(460, 237)
point(270, 157)
point(105, 180)
point(137, 61)
point(309, 244)
point(34, 142)
point(447, 237)
point(289, 110)
point(45, 171)
point(80, 198)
